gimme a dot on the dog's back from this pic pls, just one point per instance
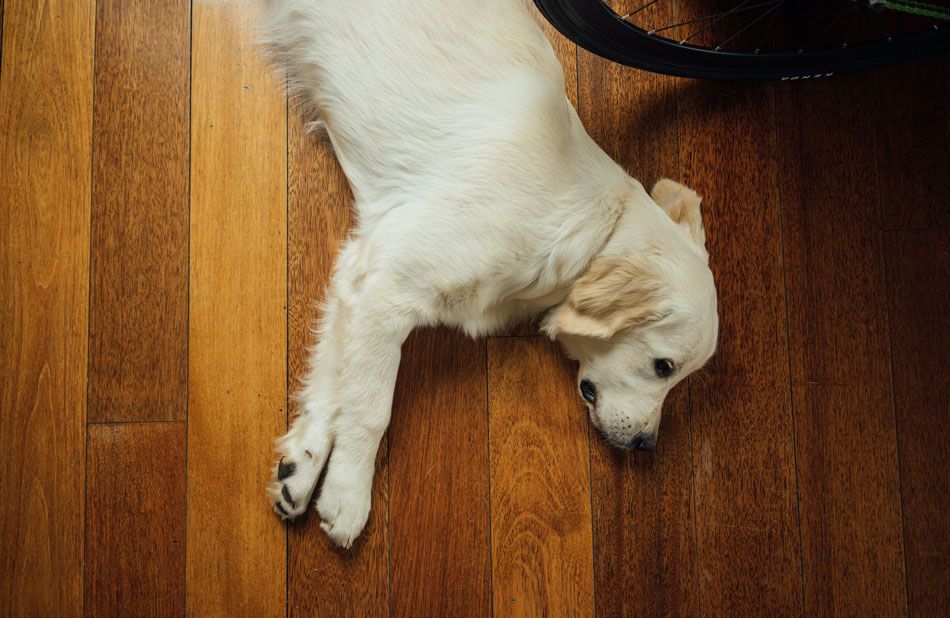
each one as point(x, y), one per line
point(420, 80)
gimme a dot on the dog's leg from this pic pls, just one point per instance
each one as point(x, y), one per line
point(304, 449)
point(368, 362)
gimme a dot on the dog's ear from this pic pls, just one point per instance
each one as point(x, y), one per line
point(615, 293)
point(682, 205)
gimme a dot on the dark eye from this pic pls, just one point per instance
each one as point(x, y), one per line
point(588, 391)
point(662, 367)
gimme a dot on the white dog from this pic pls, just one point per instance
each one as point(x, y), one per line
point(481, 201)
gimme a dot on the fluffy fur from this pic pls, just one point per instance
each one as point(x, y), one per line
point(481, 201)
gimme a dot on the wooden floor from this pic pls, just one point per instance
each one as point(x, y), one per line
point(167, 226)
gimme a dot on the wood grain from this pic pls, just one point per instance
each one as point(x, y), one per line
point(540, 482)
point(644, 556)
point(322, 579)
point(439, 509)
point(139, 280)
point(912, 138)
point(237, 326)
point(847, 451)
point(743, 451)
point(918, 280)
point(135, 520)
point(46, 86)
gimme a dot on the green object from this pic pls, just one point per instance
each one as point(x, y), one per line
point(919, 8)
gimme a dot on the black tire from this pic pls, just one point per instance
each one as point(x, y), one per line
point(595, 27)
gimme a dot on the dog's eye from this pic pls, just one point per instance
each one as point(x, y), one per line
point(662, 367)
point(588, 391)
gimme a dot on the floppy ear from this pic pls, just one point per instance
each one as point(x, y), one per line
point(614, 293)
point(682, 205)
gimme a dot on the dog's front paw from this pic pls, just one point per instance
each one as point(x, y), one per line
point(290, 489)
point(344, 508)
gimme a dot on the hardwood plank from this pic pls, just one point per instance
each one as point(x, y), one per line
point(46, 86)
point(918, 280)
point(846, 444)
point(139, 280)
point(322, 579)
point(135, 520)
point(439, 509)
point(743, 452)
point(644, 546)
point(540, 482)
point(912, 131)
point(237, 325)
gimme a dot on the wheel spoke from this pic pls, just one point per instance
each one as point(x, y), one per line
point(831, 24)
point(716, 17)
point(773, 10)
point(634, 12)
point(768, 29)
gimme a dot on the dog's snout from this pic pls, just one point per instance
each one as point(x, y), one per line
point(589, 391)
point(643, 442)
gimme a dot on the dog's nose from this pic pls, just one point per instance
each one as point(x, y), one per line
point(643, 442)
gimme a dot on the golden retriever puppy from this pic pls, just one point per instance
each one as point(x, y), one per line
point(481, 201)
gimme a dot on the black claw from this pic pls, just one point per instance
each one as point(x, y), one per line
point(285, 470)
point(283, 511)
point(286, 494)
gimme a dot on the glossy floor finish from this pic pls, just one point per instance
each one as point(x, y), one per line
point(168, 224)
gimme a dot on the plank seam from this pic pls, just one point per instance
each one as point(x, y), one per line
point(788, 349)
point(92, 192)
point(287, 293)
point(491, 556)
point(897, 435)
point(191, 66)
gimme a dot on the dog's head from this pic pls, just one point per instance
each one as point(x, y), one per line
point(638, 324)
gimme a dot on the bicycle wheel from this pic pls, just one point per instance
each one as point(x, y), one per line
point(754, 39)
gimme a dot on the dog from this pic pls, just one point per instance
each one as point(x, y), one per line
point(481, 202)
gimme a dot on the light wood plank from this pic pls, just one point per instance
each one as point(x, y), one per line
point(237, 326)
point(322, 579)
point(847, 449)
point(135, 520)
point(439, 511)
point(139, 280)
point(540, 482)
point(46, 86)
point(644, 541)
point(741, 425)
point(918, 289)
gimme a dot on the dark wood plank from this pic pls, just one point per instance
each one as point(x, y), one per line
point(236, 562)
point(139, 280)
point(644, 557)
point(135, 520)
point(540, 482)
point(46, 86)
point(743, 453)
point(918, 280)
point(846, 443)
point(913, 144)
point(322, 580)
point(439, 517)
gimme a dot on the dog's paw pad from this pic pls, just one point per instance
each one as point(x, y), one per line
point(290, 487)
point(285, 469)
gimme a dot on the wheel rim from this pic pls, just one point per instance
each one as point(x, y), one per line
point(782, 27)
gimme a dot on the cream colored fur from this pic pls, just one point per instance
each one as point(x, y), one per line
point(481, 201)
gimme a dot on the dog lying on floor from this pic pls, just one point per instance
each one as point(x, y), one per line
point(481, 202)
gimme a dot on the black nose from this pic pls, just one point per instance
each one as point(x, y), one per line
point(643, 442)
point(588, 391)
